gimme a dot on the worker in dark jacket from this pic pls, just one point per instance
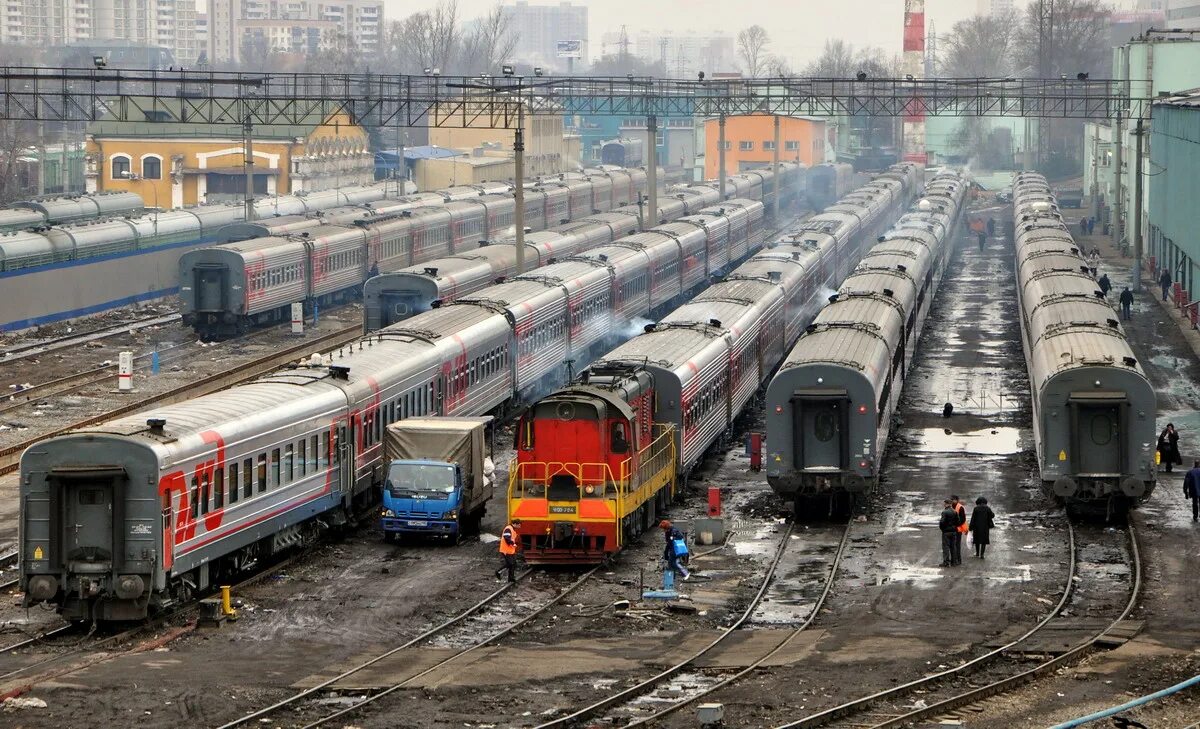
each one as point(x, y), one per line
point(1165, 281)
point(982, 521)
point(1126, 302)
point(1105, 284)
point(671, 554)
point(948, 526)
point(991, 227)
point(1168, 447)
point(1191, 489)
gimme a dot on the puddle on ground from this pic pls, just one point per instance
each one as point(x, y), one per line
point(987, 441)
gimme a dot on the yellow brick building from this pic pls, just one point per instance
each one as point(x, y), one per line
point(172, 164)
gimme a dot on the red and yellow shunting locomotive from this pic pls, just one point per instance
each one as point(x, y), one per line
point(593, 469)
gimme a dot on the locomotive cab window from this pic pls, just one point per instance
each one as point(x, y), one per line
point(619, 438)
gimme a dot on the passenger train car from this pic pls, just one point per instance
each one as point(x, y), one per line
point(827, 183)
point(1094, 409)
point(392, 297)
point(61, 209)
point(227, 289)
point(830, 406)
point(598, 460)
point(141, 512)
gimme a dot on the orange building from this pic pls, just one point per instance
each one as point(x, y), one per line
point(750, 142)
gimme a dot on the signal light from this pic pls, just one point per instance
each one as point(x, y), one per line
point(862, 409)
point(862, 464)
point(779, 408)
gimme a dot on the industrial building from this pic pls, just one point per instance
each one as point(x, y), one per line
point(750, 142)
point(1173, 183)
point(172, 164)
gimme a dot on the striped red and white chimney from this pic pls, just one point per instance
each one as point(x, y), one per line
point(914, 65)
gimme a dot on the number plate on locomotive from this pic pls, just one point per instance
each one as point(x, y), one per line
point(562, 509)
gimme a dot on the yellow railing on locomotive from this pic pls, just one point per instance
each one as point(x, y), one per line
point(639, 477)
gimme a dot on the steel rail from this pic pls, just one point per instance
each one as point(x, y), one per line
point(1010, 682)
point(654, 680)
point(808, 621)
point(476, 646)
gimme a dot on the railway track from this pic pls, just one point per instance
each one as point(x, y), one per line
point(436, 631)
point(10, 457)
point(42, 346)
point(14, 683)
point(620, 700)
point(881, 710)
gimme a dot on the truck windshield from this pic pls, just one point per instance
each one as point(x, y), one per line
point(430, 481)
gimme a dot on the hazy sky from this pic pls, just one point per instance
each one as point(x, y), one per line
point(798, 28)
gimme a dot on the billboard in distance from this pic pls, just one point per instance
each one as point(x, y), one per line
point(569, 49)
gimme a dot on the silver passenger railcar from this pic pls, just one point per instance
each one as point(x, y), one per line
point(1094, 409)
point(829, 408)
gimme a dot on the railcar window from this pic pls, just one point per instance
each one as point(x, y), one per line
point(195, 504)
point(313, 454)
point(248, 477)
point(303, 456)
point(219, 488)
point(92, 497)
point(289, 464)
point(233, 483)
point(328, 455)
point(275, 463)
point(262, 473)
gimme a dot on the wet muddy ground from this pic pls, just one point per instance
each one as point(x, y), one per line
point(894, 614)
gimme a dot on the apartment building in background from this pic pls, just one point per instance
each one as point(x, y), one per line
point(170, 24)
point(236, 27)
point(541, 27)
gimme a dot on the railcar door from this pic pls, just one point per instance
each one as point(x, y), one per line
point(821, 435)
point(1098, 439)
point(210, 286)
point(89, 506)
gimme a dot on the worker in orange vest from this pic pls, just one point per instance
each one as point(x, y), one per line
point(961, 510)
point(510, 544)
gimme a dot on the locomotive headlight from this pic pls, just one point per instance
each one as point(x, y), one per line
point(388, 512)
point(589, 489)
point(452, 514)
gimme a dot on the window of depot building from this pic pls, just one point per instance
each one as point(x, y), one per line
point(151, 168)
point(768, 146)
point(232, 188)
point(120, 167)
point(792, 146)
point(746, 146)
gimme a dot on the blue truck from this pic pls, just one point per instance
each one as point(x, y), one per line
point(438, 479)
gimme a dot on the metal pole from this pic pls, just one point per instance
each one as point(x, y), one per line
point(1118, 206)
point(775, 177)
point(1028, 154)
point(652, 170)
point(1137, 207)
point(721, 154)
point(519, 192)
point(248, 164)
point(1095, 171)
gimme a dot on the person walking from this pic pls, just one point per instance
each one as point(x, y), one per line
point(1083, 226)
point(1165, 281)
point(1126, 303)
point(982, 240)
point(374, 270)
point(982, 521)
point(510, 544)
point(1168, 447)
point(1091, 225)
point(948, 526)
point(1105, 284)
point(991, 227)
point(1191, 489)
point(671, 554)
point(1094, 262)
point(960, 528)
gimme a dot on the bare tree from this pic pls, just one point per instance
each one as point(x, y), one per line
point(982, 46)
point(490, 44)
point(835, 61)
point(15, 140)
point(1065, 37)
point(429, 39)
point(752, 47)
point(341, 55)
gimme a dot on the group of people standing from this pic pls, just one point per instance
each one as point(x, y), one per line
point(954, 526)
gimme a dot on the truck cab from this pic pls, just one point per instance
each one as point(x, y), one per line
point(438, 481)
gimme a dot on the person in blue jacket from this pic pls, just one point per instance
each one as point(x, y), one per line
point(674, 539)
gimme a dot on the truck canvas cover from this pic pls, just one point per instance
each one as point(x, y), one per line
point(454, 440)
